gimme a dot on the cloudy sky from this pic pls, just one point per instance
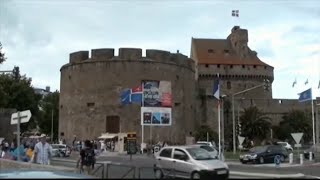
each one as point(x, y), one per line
point(38, 35)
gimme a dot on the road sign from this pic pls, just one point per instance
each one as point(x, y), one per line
point(297, 137)
point(24, 117)
point(241, 139)
point(297, 145)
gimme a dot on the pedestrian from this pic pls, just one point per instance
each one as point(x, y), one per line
point(43, 151)
point(87, 158)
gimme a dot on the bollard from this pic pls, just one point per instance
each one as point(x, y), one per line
point(310, 156)
point(291, 158)
point(301, 159)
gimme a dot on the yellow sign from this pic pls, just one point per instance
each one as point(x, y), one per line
point(132, 135)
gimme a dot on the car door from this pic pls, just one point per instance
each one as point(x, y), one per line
point(269, 155)
point(164, 160)
point(181, 163)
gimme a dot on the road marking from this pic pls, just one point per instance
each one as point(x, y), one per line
point(315, 177)
point(299, 175)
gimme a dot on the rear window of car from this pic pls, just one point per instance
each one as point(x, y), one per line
point(166, 152)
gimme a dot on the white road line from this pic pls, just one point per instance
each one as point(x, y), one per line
point(315, 177)
point(299, 175)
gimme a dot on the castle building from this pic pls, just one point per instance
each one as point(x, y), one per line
point(91, 86)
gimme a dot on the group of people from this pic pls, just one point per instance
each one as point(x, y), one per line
point(33, 151)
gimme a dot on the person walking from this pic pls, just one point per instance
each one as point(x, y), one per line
point(42, 151)
point(87, 158)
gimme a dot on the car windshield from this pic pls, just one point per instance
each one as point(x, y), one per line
point(258, 149)
point(199, 154)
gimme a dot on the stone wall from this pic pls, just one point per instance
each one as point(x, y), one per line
point(100, 79)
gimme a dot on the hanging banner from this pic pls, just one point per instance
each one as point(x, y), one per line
point(155, 116)
point(157, 94)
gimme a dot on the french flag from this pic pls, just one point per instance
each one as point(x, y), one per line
point(133, 95)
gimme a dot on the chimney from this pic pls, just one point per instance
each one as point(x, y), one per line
point(178, 51)
point(47, 88)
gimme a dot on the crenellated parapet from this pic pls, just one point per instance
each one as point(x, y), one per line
point(131, 54)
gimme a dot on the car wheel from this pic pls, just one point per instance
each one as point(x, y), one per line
point(195, 175)
point(158, 174)
point(281, 158)
point(261, 160)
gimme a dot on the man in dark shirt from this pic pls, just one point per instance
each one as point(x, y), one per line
point(87, 158)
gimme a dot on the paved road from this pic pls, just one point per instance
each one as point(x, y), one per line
point(237, 170)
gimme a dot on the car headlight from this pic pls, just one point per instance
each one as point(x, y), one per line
point(241, 156)
point(254, 156)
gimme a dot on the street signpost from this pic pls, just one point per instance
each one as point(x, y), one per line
point(131, 144)
point(18, 118)
point(297, 138)
point(240, 139)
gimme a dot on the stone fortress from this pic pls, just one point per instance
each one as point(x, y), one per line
point(90, 87)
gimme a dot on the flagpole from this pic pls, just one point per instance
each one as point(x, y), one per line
point(219, 129)
point(313, 133)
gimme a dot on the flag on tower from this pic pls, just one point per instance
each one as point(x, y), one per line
point(216, 88)
point(319, 84)
point(235, 13)
point(305, 95)
point(294, 83)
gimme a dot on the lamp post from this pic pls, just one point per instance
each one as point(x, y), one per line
point(233, 115)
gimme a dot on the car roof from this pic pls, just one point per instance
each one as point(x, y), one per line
point(182, 147)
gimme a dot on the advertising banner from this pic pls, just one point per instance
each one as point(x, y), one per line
point(157, 94)
point(156, 116)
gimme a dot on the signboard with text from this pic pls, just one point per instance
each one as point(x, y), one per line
point(157, 93)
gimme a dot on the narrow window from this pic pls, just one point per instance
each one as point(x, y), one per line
point(243, 66)
point(254, 66)
point(90, 104)
point(207, 65)
point(218, 65)
point(210, 51)
point(229, 85)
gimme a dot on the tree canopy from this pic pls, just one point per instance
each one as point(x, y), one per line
point(255, 125)
point(294, 122)
point(49, 106)
point(2, 57)
point(16, 92)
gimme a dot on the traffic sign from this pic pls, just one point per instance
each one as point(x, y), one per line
point(24, 117)
point(297, 137)
point(241, 139)
point(132, 135)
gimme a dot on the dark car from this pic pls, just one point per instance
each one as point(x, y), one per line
point(263, 154)
point(314, 149)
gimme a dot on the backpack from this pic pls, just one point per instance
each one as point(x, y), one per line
point(88, 159)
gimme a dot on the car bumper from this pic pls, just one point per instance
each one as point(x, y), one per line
point(248, 160)
point(215, 174)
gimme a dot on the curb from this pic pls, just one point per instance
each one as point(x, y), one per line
point(299, 175)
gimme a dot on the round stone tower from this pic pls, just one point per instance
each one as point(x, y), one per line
point(91, 87)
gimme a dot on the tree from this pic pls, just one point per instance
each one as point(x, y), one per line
point(2, 57)
point(293, 122)
point(49, 105)
point(254, 124)
point(16, 92)
point(201, 134)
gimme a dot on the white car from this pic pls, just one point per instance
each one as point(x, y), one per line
point(208, 143)
point(188, 162)
point(60, 150)
point(286, 145)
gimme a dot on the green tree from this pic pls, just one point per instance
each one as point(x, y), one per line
point(49, 106)
point(254, 124)
point(201, 134)
point(293, 122)
point(16, 92)
point(2, 57)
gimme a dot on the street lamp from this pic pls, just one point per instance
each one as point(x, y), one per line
point(265, 84)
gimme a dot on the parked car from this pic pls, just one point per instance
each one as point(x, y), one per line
point(263, 154)
point(212, 151)
point(188, 162)
point(211, 144)
point(60, 150)
point(286, 145)
point(315, 149)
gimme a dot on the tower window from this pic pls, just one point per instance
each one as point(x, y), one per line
point(254, 66)
point(226, 51)
point(265, 67)
point(90, 104)
point(229, 85)
point(243, 66)
point(210, 51)
point(218, 65)
point(207, 65)
point(231, 66)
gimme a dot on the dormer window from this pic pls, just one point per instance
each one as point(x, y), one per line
point(210, 51)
